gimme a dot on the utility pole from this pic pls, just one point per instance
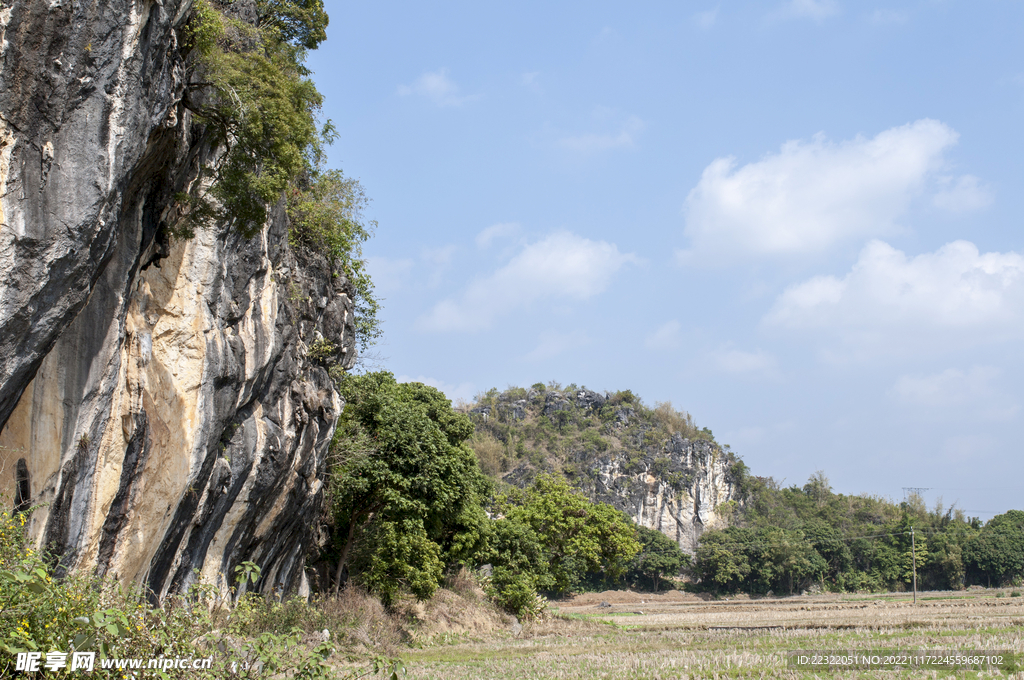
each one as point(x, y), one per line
point(909, 491)
point(913, 556)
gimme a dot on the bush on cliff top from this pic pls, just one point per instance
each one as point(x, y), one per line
point(251, 91)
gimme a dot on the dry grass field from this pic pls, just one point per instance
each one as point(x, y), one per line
point(677, 635)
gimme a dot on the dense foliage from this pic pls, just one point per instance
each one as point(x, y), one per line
point(409, 504)
point(81, 613)
point(790, 539)
point(551, 538)
point(251, 90)
point(252, 96)
point(406, 493)
point(570, 430)
point(659, 556)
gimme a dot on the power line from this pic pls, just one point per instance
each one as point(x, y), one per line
point(914, 491)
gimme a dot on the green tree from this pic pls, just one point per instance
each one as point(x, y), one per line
point(325, 209)
point(659, 556)
point(996, 554)
point(578, 537)
point(404, 484)
point(250, 91)
point(783, 560)
point(519, 566)
point(720, 561)
point(250, 88)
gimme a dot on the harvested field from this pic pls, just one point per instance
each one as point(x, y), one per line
point(677, 635)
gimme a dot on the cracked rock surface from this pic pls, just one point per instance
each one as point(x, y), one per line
point(155, 393)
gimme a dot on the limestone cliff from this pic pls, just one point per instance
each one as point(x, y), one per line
point(652, 464)
point(679, 488)
point(156, 397)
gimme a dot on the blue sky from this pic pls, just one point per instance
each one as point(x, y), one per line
point(798, 220)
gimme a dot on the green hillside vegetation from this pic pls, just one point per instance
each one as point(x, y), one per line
point(789, 539)
point(569, 430)
point(409, 505)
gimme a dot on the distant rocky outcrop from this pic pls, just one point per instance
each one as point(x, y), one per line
point(678, 490)
point(157, 402)
point(651, 463)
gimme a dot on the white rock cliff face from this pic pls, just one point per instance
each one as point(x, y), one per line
point(682, 512)
point(155, 397)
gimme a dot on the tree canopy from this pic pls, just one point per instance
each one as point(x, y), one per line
point(406, 491)
point(789, 538)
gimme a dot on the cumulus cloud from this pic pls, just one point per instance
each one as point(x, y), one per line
point(496, 232)
point(813, 195)
point(624, 138)
point(438, 88)
point(739, 361)
point(948, 388)
point(561, 266)
point(962, 194)
point(665, 337)
point(887, 296)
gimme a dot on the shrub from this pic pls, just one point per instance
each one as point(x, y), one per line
point(89, 614)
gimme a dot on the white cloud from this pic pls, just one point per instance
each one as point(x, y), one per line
point(813, 195)
point(625, 138)
point(561, 266)
point(955, 293)
point(496, 232)
point(962, 194)
point(666, 337)
point(529, 79)
point(463, 391)
point(813, 9)
point(553, 344)
point(706, 19)
point(949, 388)
point(438, 88)
point(739, 361)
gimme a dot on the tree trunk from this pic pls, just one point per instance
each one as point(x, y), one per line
point(344, 557)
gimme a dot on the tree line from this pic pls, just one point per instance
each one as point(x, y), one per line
point(409, 504)
point(785, 540)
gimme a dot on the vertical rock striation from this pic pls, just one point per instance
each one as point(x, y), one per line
point(86, 90)
point(679, 493)
point(155, 396)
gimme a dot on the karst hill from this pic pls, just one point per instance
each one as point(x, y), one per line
point(653, 464)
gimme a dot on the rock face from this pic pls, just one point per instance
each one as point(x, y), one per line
point(155, 396)
point(89, 94)
point(679, 493)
